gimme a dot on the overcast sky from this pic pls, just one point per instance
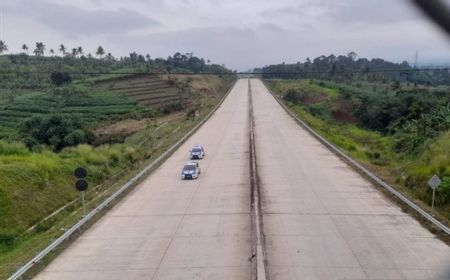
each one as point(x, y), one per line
point(241, 34)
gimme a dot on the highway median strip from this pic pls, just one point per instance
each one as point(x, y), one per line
point(258, 258)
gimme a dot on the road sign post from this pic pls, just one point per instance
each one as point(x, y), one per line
point(432, 201)
point(434, 183)
point(84, 204)
point(81, 185)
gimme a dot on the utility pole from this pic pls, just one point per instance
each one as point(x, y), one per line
point(416, 59)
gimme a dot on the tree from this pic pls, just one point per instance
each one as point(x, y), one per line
point(25, 49)
point(52, 52)
point(62, 49)
point(60, 78)
point(74, 52)
point(80, 50)
point(10, 90)
point(352, 55)
point(3, 47)
point(40, 48)
point(396, 85)
point(56, 130)
point(100, 51)
point(61, 89)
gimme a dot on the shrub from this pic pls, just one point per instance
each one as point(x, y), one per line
point(190, 114)
point(411, 135)
point(291, 95)
point(76, 137)
point(56, 130)
point(8, 237)
point(443, 192)
point(31, 143)
point(172, 107)
point(60, 78)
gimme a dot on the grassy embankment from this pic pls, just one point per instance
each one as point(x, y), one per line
point(129, 133)
point(329, 108)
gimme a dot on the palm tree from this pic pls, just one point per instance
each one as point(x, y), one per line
point(80, 51)
point(62, 49)
point(52, 52)
point(25, 49)
point(40, 48)
point(3, 47)
point(74, 52)
point(100, 51)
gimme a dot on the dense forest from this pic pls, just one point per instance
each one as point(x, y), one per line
point(349, 67)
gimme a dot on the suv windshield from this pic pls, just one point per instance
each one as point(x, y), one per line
point(197, 150)
point(189, 168)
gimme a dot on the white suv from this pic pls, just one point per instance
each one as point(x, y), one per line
point(191, 170)
point(197, 152)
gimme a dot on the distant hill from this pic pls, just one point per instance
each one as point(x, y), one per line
point(351, 68)
point(31, 71)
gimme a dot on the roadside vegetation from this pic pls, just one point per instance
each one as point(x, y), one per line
point(399, 130)
point(111, 116)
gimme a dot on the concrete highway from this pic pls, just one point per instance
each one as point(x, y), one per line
point(321, 220)
point(173, 229)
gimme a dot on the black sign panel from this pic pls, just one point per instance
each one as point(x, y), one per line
point(80, 173)
point(81, 185)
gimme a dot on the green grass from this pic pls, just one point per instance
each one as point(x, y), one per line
point(303, 84)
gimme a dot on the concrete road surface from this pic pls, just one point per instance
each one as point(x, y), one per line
point(324, 221)
point(172, 229)
point(321, 219)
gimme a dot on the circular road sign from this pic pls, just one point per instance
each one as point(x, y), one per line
point(81, 185)
point(80, 173)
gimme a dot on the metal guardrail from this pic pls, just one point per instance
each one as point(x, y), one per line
point(21, 272)
point(364, 170)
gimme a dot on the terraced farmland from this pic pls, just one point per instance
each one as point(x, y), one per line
point(148, 90)
point(90, 108)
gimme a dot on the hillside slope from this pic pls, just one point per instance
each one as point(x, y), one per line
point(35, 184)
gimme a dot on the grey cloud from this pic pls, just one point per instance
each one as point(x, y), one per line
point(75, 21)
point(373, 11)
point(350, 11)
point(240, 34)
point(231, 46)
point(271, 27)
